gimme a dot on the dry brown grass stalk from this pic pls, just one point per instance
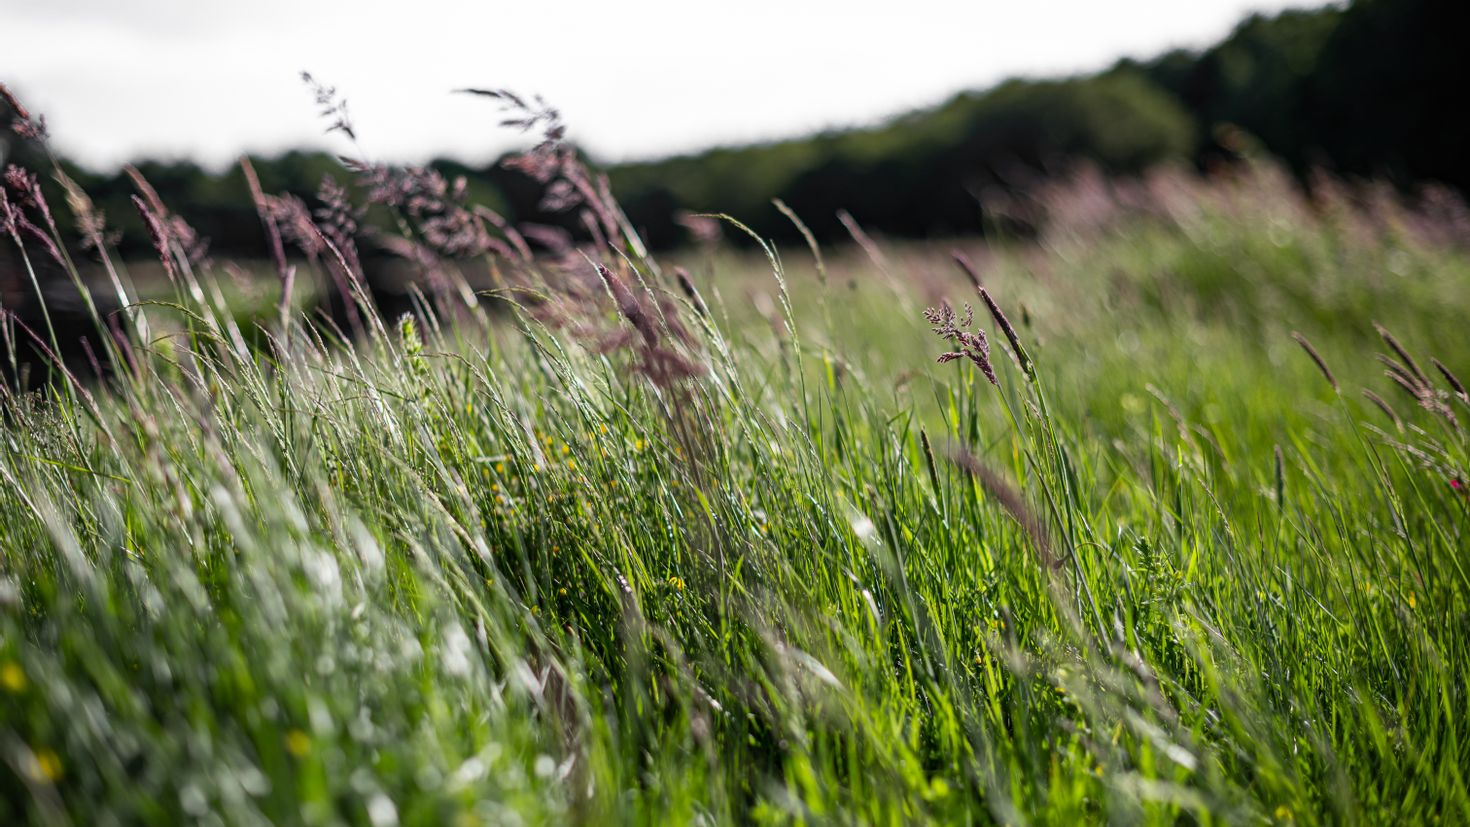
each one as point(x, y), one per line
point(1018, 351)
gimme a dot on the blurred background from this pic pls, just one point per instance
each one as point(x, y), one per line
point(921, 125)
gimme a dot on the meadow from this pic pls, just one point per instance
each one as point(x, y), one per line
point(714, 538)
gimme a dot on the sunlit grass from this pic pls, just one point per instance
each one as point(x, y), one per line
point(492, 572)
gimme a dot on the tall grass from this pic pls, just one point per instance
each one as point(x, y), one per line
point(593, 546)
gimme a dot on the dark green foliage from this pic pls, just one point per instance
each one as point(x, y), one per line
point(922, 173)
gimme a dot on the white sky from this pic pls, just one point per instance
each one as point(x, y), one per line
point(121, 79)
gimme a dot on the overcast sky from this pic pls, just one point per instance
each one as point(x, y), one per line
point(120, 79)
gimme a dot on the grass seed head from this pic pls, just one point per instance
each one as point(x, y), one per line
point(1393, 343)
point(973, 346)
point(1023, 359)
point(1452, 380)
point(23, 124)
point(1317, 359)
point(157, 235)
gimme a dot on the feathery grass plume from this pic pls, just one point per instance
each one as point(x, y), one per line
point(968, 268)
point(525, 115)
point(551, 162)
point(25, 193)
point(175, 230)
point(1014, 504)
point(157, 235)
point(1382, 405)
point(293, 219)
point(1023, 359)
point(9, 97)
point(24, 125)
point(1317, 359)
point(26, 187)
point(1452, 380)
point(436, 207)
point(298, 227)
point(973, 346)
point(332, 107)
point(145, 189)
point(1403, 354)
point(338, 218)
point(456, 232)
point(285, 273)
point(628, 305)
point(658, 358)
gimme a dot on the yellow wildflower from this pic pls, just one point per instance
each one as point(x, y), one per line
point(12, 677)
point(298, 743)
point(48, 765)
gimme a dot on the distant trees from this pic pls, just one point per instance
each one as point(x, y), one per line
point(1375, 89)
point(1256, 80)
point(1389, 94)
point(920, 173)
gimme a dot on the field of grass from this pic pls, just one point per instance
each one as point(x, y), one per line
point(606, 550)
